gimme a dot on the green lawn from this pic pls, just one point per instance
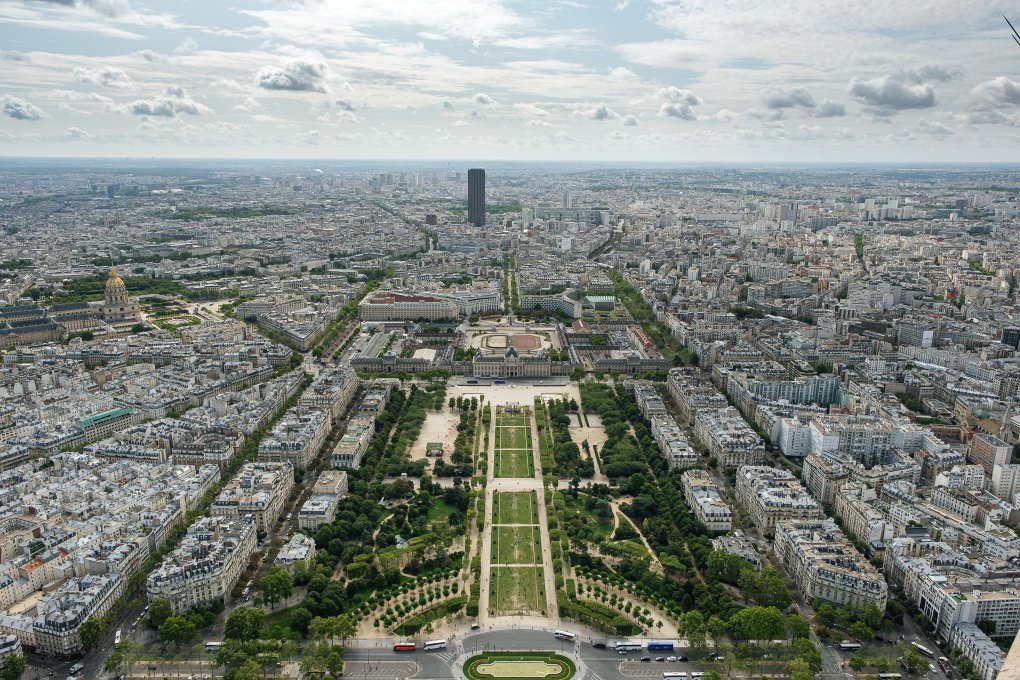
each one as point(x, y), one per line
point(520, 507)
point(439, 511)
point(517, 420)
point(515, 545)
point(515, 437)
point(515, 463)
point(519, 666)
point(516, 589)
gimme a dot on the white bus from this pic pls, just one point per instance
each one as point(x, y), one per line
point(564, 635)
point(923, 650)
point(434, 644)
point(116, 638)
point(675, 674)
point(625, 646)
point(213, 646)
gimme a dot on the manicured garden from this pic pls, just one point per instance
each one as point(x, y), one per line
point(519, 666)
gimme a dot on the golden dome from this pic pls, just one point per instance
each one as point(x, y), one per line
point(114, 281)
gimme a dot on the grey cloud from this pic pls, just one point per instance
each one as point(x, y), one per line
point(110, 8)
point(343, 105)
point(932, 74)
point(13, 55)
point(891, 93)
point(999, 91)
point(934, 128)
point(764, 114)
point(448, 105)
point(22, 109)
point(76, 133)
point(296, 75)
point(483, 99)
point(830, 109)
point(630, 120)
point(152, 56)
point(781, 98)
point(110, 77)
point(174, 101)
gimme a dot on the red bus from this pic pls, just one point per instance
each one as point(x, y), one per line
point(404, 647)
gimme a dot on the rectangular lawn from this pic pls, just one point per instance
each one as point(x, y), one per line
point(518, 507)
point(514, 463)
point(516, 589)
point(515, 545)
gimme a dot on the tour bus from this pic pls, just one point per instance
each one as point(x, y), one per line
point(849, 646)
point(627, 646)
point(213, 646)
point(923, 650)
point(675, 674)
point(434, 644)
point(404, 647)
point(564, 635)
point(116, 638)
point(889, 676)
point(660, 646)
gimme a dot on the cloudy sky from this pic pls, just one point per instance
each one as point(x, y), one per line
point(662, 80)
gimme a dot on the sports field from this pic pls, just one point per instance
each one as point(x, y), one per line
point(516, 590)
point(515, 545)
point(514, 507)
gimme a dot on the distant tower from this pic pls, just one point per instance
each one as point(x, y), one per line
point(565, 202)
point(476, 196)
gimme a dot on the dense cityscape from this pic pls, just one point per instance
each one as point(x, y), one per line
point(293, 419)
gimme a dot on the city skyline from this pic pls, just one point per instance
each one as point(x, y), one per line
point(627, 81)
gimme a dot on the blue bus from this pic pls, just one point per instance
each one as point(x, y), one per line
point(660, 646)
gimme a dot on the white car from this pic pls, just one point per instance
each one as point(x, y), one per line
point(671, 659)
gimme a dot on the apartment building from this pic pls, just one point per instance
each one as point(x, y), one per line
point(672, 441)
point(771, 495)
point(692, 394)
point(259, 490)
point(296, 438)
point(855, 506)
point(1006, 482)
point(702, 495)
point(728, 437)
point(205, 566)
point(332, 392)
point(987, 450)
point(975, 645)
point(825, 565)
point(353, 444)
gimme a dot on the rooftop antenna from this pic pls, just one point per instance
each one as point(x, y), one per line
point(1015, 36)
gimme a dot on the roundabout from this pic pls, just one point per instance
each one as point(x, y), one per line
point(519, 666)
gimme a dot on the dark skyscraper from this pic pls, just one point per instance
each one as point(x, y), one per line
point(476, 196)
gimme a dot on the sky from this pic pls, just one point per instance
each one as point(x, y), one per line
point(602, 80)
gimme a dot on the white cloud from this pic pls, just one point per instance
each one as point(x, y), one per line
point(783, 98)
point(175, 100)
point(482, 99)
point(76, 133)
point(630, 120)
point(598, 112)
point(187, 46)
point(296, 75)
point(997, 92)
point(21, 109)
point(677, 103)
point(107, 76)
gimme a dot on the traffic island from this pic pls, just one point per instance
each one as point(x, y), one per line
point(519, 666)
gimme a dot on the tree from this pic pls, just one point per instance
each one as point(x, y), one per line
point(798, 669)
point(276, 585)
point(299, 620)
point(178, 630)
point(91, 632)
point(857, 663)
point(724, 566)
point(772, 590)
point(712, 675)
point(249, 670)
point(244, 623)
point(798, 626)
point(913, 661)
point(334, 663)
point(159, 611)
point(860, 631)
point(13, 667)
